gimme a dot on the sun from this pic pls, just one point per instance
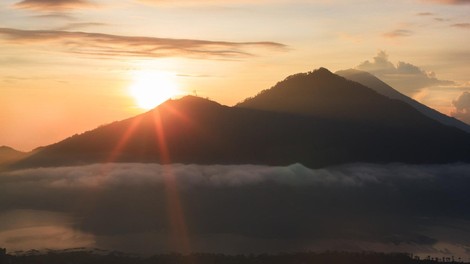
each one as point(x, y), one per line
point(151, 88)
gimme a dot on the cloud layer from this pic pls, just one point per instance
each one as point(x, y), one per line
point(405, 77)
point(217, 2)
point(54, 5)
point(106, 45)
point(238, 208)
point(449, 2)
point(398, 33)
point(462, 25)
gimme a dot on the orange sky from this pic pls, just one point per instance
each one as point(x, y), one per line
point(68, 66)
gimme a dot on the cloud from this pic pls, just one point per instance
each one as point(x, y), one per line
point(448, 2)
point(54, 5)
point(425, 14)
point(56, 15)
point(195, 75)
point(219, 2)
point(462, 25)
point(106, 45)
point(462, 107)
point(429, 14)
point(78, 25)
point(183, 2)
point(238, 208)
point(405, 77)
point(398, 33)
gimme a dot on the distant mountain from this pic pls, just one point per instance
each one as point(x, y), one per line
point(321, 93)
point(381, 87)
point(9, 155)
point(317, 119)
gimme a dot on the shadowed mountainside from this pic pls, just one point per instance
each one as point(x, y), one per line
point(9, 155)
point(316, 119)
point(382, 88)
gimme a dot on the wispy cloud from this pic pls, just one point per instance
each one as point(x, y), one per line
point(56, 15)
point(398, 33)
point(54, 5)
point(107, 45)
point(78, 25)
point(195, 75)
point(182, 2)
point(219, 2)
point(461, 25)
point(434, 15)
point(448, 2)
point(425, 14)
point(405, 77)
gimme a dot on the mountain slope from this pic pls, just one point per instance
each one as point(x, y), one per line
point(188, 130)
point(379, 86)
point(9, 155)
point(316, 119)
point(196, 130)
point(323, 94)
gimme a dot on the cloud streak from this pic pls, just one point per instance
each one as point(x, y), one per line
point(107, 45)
point(398, 33)
point(461, 25)
point(239, 208)
point(449, 2)
point(425, 14)
point(78, 25)
point(218, 2)
point(54, 5)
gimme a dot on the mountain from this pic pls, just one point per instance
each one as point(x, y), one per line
point(321, 93)
point(317, 119)
point(382, 88)
point(9, 155)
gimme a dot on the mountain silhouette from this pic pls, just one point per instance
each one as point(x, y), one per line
point(9, 155)
point(381, 87)
point(317, 119)
point(321, 93)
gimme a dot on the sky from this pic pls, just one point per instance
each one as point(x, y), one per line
point(68, 66)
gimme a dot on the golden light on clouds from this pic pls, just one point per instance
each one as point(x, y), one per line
point(53, 5)
point(151, 88)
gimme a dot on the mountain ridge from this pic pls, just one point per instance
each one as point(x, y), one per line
point(322, 93)
point(376, 129)
point(10, 155)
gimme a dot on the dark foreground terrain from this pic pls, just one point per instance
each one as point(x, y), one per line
point(88, 257)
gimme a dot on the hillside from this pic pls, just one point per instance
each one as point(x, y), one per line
point(382, 88)
point(9, 155)
point(317, 119)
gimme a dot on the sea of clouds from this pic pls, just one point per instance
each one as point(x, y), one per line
point(140, 208)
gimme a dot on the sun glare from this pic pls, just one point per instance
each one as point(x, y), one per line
point(151, 88)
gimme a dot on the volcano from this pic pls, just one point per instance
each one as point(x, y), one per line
point(316, 119)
